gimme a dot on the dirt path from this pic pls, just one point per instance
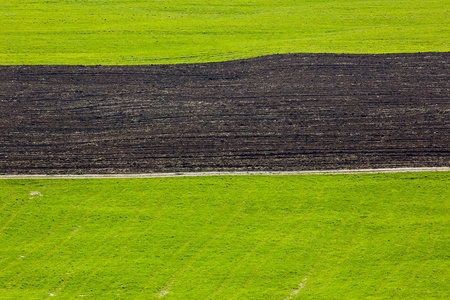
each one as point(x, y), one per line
point(191, 174)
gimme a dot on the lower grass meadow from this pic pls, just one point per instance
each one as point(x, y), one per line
point(227, 237)
point(133, 32)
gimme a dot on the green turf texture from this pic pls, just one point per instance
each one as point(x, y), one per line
point(243, 237)
point(128, 32)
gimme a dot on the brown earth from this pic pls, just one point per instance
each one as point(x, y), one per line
point(280, 112)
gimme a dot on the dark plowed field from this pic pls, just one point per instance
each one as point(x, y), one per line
point(282, 112)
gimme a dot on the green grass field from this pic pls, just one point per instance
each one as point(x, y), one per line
point(242, 237)
point(180, 31)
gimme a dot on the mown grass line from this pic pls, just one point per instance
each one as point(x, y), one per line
point(180, 31)
point(225, 237)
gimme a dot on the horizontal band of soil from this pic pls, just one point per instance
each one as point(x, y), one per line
point(279, 112)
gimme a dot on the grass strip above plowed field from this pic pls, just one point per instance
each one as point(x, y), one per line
point(227, 237)
point(153, 32)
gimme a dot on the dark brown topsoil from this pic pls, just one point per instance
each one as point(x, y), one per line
point(280, 112)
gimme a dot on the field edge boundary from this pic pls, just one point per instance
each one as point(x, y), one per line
point(226, 173)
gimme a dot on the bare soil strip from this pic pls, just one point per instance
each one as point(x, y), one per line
point(274, 113)
point(193, 174)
